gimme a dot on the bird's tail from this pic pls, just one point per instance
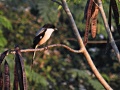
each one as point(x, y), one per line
point(34, 55)
point(34, 52)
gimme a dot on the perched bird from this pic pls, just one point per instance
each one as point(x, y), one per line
point(43, 35)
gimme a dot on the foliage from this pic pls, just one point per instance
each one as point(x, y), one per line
point(47, 17)
point(4, 24)
point(82, 74)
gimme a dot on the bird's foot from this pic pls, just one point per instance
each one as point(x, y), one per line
point(46, 48)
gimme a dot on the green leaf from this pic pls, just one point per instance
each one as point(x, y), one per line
point(3, 42)
point(5, 22)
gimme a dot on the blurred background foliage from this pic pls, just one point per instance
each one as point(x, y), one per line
point(57, 68)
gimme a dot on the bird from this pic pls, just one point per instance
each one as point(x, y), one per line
point(42, 35)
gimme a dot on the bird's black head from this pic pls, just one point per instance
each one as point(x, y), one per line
point(49, 26)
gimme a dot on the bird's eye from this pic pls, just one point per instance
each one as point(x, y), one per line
point(40, 37)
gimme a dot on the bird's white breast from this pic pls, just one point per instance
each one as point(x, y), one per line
point(46, 36)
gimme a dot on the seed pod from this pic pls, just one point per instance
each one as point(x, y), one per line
point(88, 21)
point(94, 21)
point(15, 78)
point(6, 76)
point(1, 80)
point(20, 69)
point(94, 28)
point(2, 56)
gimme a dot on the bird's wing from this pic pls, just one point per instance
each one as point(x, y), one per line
point(41, 30)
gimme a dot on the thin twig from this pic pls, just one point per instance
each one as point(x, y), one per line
point(112, 41)
point(50, 46)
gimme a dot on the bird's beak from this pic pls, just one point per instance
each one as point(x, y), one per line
point(56, 29)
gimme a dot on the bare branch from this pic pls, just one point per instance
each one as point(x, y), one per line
point(111, 39)
point(50, 46)
point(86, 54)
point(57, 2)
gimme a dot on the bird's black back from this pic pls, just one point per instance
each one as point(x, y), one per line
point(41, 34)
point(37, 39)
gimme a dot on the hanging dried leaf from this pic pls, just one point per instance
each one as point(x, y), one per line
point(20, 70)
point(2, 56)
point(94, 21)
point(1, 80)
point(23, 71)
point(6, 76)
point(15, 79)
point(88, 21)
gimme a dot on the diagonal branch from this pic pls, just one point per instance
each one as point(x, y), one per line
point(111, 39)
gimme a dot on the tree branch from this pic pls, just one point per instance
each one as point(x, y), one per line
point(50, 46)
point(86, 54)
point(111, 39)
